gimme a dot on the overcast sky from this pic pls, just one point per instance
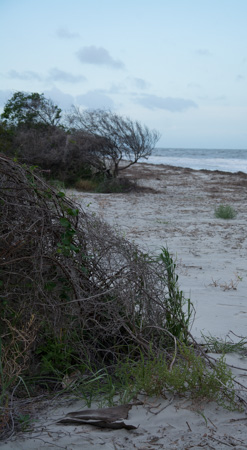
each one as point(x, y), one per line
point(179, 66)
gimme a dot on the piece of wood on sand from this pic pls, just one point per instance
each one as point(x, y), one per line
point(104, 417)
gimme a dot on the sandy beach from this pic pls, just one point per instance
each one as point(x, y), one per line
point(175, 209)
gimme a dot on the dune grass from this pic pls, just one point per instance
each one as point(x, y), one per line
point(225, 212)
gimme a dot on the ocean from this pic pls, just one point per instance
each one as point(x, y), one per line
point(217, 159)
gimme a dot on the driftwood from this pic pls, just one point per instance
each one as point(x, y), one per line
point(104, 417)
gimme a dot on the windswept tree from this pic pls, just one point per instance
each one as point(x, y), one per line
point(119, 139)
point(30, 110)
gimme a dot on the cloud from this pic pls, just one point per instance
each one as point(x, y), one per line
point(220, 98)
point(63, 33)
point(139, 83)
point(98, 56)
point(63, 100)
point(55, 74)
point(240, 77)
point(95, 99)
point(116, 88)
point(168, 103)
point(60, 75)
point(27, 75)
point(194, 85)
point(203, 52)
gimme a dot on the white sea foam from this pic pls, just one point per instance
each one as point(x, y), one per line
point(224, 160)
point(230, 165)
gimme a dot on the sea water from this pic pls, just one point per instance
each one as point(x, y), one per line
point(211, 159)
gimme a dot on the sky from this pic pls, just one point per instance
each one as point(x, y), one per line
point(177, 66)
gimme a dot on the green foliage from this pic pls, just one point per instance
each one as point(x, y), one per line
point(30, 110)
point(25, 422)
point(225, 212)
point(56, 356)
point(63, 366)
point(179, 310)
point(57, 184)
point(218, 345)
point(67, 246)
point(6, 139)
point(187, 375)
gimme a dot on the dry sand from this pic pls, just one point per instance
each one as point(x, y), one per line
point(176, 210)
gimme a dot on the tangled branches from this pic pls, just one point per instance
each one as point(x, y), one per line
point(71, 272)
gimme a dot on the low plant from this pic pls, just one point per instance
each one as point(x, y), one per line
point(225, 212)
point(218, 345)
point(231, 285)
point(24, 421)
point(86, 185)
point(115, 185)
point(180, 310)
point(187, 374)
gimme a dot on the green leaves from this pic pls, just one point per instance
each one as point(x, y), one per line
point(67, 247)
point(30, 110)
point(72, 212)
point(177, 320)
point(61, 194)
point(65, 222)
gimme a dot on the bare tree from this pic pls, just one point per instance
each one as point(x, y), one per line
point(120, 138)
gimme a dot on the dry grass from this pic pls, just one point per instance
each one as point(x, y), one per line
point(86, 185)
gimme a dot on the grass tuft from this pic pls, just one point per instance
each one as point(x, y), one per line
point(85, 185)
point(225, 212)
point(116, 185)
point(218, 345)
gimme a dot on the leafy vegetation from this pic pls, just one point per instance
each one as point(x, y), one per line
point(115, 185)
point(156, 376)
point(227, 345)
point(30, 111)
point(225, 212)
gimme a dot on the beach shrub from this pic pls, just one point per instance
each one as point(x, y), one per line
point(187, 373)
point(66, 276)
point(215, 344)
point(225, 212)
point(116, 185)
point(86, 185)
point(180, 310)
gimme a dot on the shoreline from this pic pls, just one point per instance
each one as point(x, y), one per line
point(169, 166)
